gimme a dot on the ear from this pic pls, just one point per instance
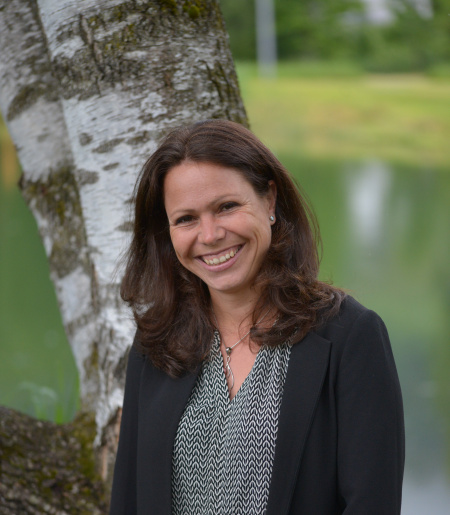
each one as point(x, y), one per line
point(272, 197)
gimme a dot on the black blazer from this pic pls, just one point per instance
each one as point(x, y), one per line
point(340, 443)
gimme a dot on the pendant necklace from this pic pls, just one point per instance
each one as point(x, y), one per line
point(228, 350)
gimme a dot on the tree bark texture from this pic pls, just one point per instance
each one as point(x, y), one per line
point(35, 476)
point(87, 89)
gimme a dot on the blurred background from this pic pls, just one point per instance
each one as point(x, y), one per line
point(354, 98)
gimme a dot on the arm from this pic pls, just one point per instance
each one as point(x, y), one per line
point(123, 499)
point(370, 422)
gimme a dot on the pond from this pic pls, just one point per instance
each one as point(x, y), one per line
point(386, 239)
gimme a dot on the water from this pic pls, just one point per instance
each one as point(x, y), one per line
point(386, 238)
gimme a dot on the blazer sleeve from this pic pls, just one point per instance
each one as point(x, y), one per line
point(123, 496)
point(371, 447)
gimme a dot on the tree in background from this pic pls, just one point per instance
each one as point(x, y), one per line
point(415, 37)
point(316, 29)
point(241, 26)
point(86, 89)
point(310, 29)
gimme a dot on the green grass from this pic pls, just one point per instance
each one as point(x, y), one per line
point(307, 69)
point(440, 71)
point(403, 119)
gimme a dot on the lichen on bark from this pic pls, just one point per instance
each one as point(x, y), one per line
point(48, 468)
point(56, 199)
point(28, 95)
point(112, 36)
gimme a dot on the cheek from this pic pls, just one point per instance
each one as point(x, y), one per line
point(266, 239)
point(179, 244)
point(175, 242)
point(265, 231)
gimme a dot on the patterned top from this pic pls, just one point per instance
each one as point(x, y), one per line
point(224, 450)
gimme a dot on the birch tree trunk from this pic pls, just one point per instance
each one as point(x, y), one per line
point(87, 89)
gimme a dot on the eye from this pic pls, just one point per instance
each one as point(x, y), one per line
point(228, 205)
point(185, 219)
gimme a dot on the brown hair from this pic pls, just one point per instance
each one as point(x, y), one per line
point(170, 304)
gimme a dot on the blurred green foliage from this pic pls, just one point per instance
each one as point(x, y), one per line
point(415, 39)
point(313, 29)
point(240, 21)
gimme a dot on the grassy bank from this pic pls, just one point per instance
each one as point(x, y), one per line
point(403, 119)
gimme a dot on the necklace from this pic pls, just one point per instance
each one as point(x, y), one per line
point(228, 350)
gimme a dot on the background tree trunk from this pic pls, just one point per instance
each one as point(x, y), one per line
point(87, 89)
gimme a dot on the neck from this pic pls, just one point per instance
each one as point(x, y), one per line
point(233, 313)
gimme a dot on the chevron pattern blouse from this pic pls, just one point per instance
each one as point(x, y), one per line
point(224, 450)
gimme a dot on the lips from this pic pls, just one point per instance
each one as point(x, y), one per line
point(219, 258)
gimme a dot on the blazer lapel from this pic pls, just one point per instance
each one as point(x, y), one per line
point(307, 368)
point(161, 404)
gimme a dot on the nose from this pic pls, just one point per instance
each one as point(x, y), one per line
point(210, 230)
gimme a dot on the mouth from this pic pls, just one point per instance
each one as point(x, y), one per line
point(220, 258)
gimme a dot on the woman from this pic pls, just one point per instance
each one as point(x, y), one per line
point(252, 387)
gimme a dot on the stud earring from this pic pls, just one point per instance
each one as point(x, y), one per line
point(271, 218)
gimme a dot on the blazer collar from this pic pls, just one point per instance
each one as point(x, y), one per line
point(308, 365)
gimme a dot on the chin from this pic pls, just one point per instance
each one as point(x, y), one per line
point(229, 287)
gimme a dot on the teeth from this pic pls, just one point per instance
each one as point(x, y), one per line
point(222, 259)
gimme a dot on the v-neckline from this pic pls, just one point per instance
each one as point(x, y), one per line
point(224, 382)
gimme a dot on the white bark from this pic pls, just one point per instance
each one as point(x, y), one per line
point(87, 88)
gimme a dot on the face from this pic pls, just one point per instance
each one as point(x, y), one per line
point(219, 226)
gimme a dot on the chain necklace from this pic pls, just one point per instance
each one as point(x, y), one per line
point(228, 350)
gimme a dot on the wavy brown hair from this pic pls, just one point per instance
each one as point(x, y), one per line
point(170, 304)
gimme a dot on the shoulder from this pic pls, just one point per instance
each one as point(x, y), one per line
point(135, 361)
point(361, 357)
point(141, 366)
point(136, 355)
point(353, 322)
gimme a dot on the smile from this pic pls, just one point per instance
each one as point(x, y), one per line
point(221, 258)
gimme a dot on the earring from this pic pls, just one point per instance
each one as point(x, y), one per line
point(271, 218)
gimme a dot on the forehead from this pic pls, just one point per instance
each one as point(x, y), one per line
point(190, 175)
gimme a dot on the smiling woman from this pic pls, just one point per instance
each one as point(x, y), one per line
point(252, 387)
point(219, 227)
